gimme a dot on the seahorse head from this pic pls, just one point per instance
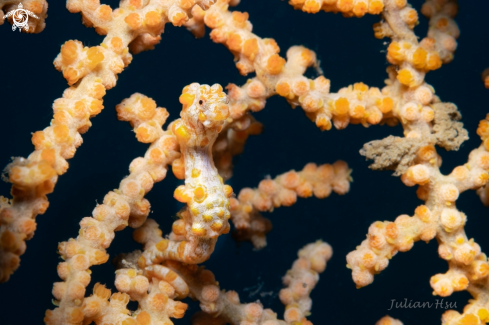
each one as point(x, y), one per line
point(204, 106)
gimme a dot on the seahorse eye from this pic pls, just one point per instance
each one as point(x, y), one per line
point(201, 102)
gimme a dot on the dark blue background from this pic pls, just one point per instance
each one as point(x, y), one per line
point(349, 53)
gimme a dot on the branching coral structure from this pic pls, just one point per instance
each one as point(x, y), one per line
point(246, 181)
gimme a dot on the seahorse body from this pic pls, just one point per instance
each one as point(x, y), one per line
point(204, 113)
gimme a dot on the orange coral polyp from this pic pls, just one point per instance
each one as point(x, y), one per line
point(275, 64)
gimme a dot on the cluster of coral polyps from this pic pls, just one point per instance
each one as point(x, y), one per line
point(440, 218)
point(89, 71)
point(213, 123)
point(156, 277)
point(348, 8)
point(315, 180)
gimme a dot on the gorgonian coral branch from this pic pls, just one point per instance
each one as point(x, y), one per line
point(89, 71)
point(283, 190)
point(122, 207)
point(347, 8)
point(438, 217)
point(166, 272)
point(406, 97)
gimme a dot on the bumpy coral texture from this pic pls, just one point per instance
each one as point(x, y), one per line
point(213, 128)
